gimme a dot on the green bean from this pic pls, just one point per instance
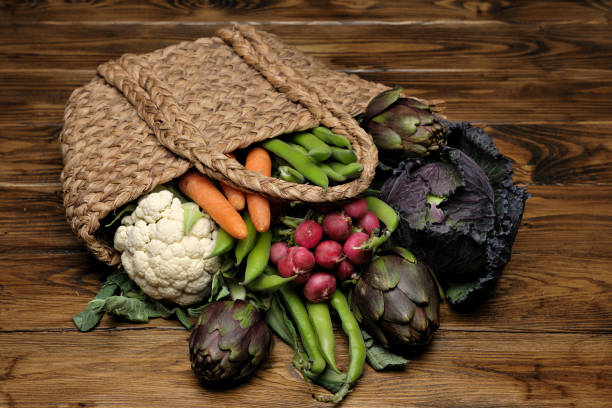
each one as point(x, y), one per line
point(225, 243)
point(302, 321)
point(258, 257)
point(269, 283)
point(299, 161)
point(330, 137)
point(331, 173)
point(290, 174)
point(244, 246)
point(299, 148)
point(321, 321)
point(384, 212)
point(357, 350)
point(344, 156)
point(350, 170)
point(316, 148)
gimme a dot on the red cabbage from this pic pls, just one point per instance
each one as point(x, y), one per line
point(460, 211)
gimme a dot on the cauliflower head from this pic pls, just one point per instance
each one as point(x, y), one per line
point(157, 254)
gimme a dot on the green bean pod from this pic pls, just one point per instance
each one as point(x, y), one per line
point(299, 148)
point(316, 148)
point(344, 156)
point(269, 283)
point(331, 173)
point(225, 243)
point(330, 137)
point(302, 321)
point(321, 321)
point(384, 212)
point(350, 170)
point(244, 246)
point(290, 174)
point(357, 349)
point(299, 161)
point(257, 260)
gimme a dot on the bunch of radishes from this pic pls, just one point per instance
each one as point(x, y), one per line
point(328, 251)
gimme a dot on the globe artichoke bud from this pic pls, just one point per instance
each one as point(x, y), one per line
point(402, 127)
point(228, 343)
point(396, 301)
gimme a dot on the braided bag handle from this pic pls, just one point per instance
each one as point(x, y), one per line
point(157, 106)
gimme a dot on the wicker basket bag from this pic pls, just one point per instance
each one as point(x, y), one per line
point(146, 119)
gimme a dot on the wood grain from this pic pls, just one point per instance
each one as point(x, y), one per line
point(491, 369)
point(38, 97)
point(536, 74)
point(541, 154)
point(438, 46)
point(308, 11)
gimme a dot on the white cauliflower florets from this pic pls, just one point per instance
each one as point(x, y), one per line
point(157, 254)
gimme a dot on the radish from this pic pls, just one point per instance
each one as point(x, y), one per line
point(345, 270)
point(299, 261)
point(319, 287)
point(356, 208)
point(351, 248)
point(369, 222)
point(308, 234)
point(328, 254)
point(278, 251)
point(337, 226)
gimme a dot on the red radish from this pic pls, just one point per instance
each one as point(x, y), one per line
point(337, 226)
point(345, 270)
point(278, 251)
point(299, 261)
point(351, 248)
point(319, 287)
point(328, 254)
point(369, 222)
point(356, 208)
point(308, 234)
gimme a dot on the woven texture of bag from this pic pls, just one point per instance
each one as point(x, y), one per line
point(146, 119)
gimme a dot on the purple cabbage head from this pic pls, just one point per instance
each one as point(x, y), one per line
point(460, 211)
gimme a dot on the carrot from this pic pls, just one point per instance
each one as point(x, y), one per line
point(203, 192)
point(258, 160)
point(234, 196)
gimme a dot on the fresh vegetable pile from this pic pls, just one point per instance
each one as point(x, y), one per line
point(438, 222)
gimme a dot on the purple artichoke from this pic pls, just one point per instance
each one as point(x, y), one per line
point(402, 127)
point(396, 301)
point(228, 343)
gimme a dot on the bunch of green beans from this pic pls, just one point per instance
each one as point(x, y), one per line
point(318, 155)
point(313, 321)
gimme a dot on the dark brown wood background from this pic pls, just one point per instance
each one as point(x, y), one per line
point(536, 74)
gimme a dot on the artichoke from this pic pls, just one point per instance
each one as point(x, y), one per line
point(402, 127)
point(397, 302)
point(228, 343)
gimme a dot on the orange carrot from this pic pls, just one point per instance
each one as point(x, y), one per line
point(203, 192)
point(258, 206)
point(234, 196)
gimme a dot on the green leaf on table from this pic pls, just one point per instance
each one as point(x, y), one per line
point(379, 357)
point(91, 316)
point(132, 309)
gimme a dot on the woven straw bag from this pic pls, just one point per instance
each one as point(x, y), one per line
point(146, 119)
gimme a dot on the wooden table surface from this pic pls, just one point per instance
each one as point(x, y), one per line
point(536, 74)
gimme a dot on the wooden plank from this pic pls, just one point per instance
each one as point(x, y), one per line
point(307, 11)
point(454, 46)
point(33, 220)
point(37, 98)
point(541, 289)
point(542, 154)
point(578, 217)
point(138, 368)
